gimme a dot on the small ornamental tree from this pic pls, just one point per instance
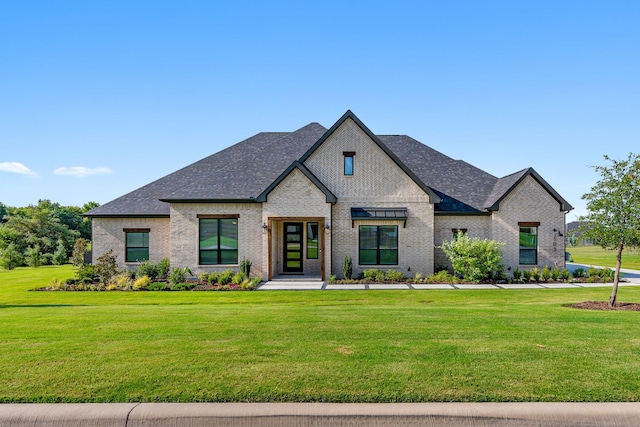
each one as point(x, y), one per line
point(473, 258)
point(79, 249)
point(613, 205)
point(33, 256)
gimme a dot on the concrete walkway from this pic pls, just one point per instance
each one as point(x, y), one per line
point(320, 414)
point(630, 277)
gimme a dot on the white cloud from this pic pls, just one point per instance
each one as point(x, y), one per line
point(15, 167)
point(81, 171)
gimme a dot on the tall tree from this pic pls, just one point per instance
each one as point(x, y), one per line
point(613, 205)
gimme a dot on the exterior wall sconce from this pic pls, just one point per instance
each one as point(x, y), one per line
point(327, 228)
point(265, 228)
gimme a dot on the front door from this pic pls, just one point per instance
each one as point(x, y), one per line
point(293, 247)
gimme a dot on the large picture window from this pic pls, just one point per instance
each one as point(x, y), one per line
point(378, 244)
point(218, 241)
point(136, 245)
point(528, 244)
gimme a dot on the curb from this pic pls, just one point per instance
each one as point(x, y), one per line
point(319, 414)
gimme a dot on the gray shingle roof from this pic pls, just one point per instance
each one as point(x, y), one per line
point(245, 170)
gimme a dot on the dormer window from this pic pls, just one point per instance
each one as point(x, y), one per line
point(348, 162)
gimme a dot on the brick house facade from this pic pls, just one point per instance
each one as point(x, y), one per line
point(298, 203)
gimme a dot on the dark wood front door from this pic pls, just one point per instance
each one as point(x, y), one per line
point(293, 247)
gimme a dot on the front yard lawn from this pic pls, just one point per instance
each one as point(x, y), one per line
point(339, 346)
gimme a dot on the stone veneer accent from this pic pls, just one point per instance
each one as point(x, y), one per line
point(393, 188)
point(108, 234)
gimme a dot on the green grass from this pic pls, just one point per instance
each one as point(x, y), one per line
point(595, 255)
point(356, 346)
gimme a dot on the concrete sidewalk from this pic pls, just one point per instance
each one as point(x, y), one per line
point(320, 414)
point(629, 277)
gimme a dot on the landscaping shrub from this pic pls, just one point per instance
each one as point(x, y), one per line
point(238, 278)
point(394, 275)
point(473, 258)
point(535, 274)
point(380, 276)
point(347, 267)
point(142, 283)
point(556, 274)
point(157, 286)
point(370, 274)
point(225, 277)
point(121, 280)
point(182, 286)
point(332, 279)
point(245, 267)
point(86, 271)
point(592, 272)
point(545, 274)
point(212, 278)
point(106, 267)
point(147, 268)
point(517, 274)
point(526, 274)
point(565, 274)
point(442, 276)
point(578, 273)
point(162, 268)
point(178, 275)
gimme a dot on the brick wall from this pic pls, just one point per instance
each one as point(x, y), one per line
point(185, 234)
point(476, 226)
point(107, 233)
point(529, 202)
point(377, 182)
point(295, 197)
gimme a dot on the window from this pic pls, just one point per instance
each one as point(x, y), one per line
point(348, 162)
point(312, 240)
point(378, 244)
point(136, 245)
point(529, 243)
point(218, 241)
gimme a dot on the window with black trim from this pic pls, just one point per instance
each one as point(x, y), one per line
point(348, 162)
point(378, 244)
point(136, 245)
point(218, 241)
point(528, 244)
point(312, 240)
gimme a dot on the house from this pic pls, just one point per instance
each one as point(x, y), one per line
point(299, 202)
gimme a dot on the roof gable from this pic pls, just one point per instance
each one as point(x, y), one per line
point(507, 184)
point(330, 197)
point(350, 115)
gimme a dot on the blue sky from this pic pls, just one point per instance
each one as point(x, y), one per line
point(100, 98)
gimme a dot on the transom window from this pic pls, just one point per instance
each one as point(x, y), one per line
point(378, 244)
point(218, 241)
point(136, 245)
point(529, 243)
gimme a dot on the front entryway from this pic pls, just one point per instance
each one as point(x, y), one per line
point(292, 247)
point(296, 247)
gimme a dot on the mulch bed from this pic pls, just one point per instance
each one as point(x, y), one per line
point(604, 305)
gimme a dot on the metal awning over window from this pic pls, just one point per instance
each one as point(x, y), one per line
point(396, 214)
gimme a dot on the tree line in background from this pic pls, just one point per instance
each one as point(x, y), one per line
point(42, 234)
